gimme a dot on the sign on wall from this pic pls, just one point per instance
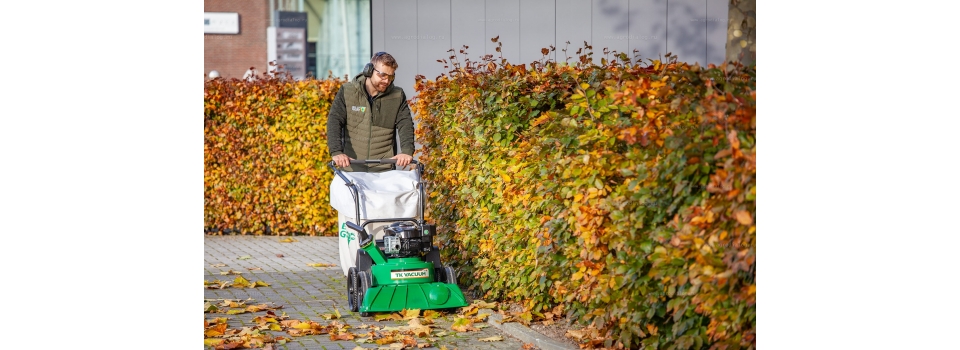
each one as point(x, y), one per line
point(292, 51)
point(221, 23)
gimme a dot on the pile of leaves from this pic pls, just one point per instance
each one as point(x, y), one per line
point(417, 333)
point(621, 194)
point(264, 150)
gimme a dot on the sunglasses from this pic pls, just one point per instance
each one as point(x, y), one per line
point(386, 76)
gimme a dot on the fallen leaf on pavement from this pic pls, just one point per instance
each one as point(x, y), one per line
point(495, 338)
point(288, 240)
point(254, 268)
point(381, 317)
point(240, 282)
point(219, 265)
point(245, 257)
point(279, 255)
point(231, 303)
point(341, 336)
point(332, 316)
point(410, 314)
point(429, 315)
point(231, 272)
point(212, 342)
point(207, 307)
point(484, 305)
point(321, 265)
point(469, 310)
point(461, 324)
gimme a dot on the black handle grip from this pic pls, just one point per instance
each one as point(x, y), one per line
point(373, 161)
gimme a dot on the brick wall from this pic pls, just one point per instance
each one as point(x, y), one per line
point(233, 54)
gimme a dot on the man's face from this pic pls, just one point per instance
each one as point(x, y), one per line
point(382, 76)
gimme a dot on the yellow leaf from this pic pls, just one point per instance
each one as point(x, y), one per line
point(410, 314)
point(494, 338)
point(743, 217)
point(321, 265)
point(484, 305)
point(288, 240)
point(461, 324)
point(212, 342)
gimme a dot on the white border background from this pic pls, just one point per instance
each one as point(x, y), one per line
point(101, 175)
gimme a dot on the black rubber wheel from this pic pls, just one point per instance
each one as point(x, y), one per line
point(352, 284)
point(364, 285)
point(449, 275)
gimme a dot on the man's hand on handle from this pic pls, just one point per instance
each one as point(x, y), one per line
point(342, 160)
point(402, 159)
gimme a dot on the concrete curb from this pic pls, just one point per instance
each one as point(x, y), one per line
point(524, 333)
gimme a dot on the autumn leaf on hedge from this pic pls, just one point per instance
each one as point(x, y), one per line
point(462, 324)
point(743, 217)
point(490, 339)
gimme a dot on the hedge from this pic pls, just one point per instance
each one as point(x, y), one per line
point(264, 150)
point(621, 195)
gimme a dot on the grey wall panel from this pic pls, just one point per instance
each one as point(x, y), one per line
point(648, 29)
point(573, 25)
point(687, 30)
point(433, 38)
point(610, 28)
point(377, 24)
point(400, 21)
point(468, 28)
point(537, 29)
point(717, 19)
point(503, 19)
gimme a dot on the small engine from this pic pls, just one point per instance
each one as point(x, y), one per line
point(403, 239)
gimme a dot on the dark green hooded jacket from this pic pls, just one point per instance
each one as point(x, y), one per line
point(364, 128)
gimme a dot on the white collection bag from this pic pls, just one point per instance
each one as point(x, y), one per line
point(390, 194)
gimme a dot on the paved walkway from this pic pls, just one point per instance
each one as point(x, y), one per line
point(307, 292)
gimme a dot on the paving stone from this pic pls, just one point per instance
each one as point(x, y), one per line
point(306, 292)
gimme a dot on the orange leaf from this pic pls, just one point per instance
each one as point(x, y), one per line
point(744, 218)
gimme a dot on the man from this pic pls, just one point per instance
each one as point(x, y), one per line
point(366, 117)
